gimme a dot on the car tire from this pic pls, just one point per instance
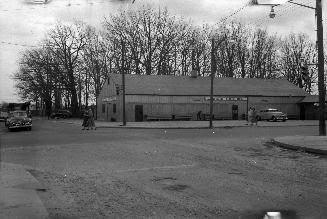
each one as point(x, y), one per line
point(284, 120)
point(274, 119)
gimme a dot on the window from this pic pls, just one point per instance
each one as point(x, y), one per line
point(103, 108)
point(19, 114)
point(114, 108)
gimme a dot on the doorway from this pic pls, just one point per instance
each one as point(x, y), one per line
point(235, 112)
point(138, 113)
point(302, 112)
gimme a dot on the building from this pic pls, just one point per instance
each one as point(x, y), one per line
point(180, 97)
point(310, 107)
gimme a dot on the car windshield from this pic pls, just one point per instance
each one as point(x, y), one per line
point(19, 114)
point(273, 110)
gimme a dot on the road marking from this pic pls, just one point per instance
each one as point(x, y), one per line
point(157, 168)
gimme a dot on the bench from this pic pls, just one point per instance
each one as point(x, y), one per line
point(293, 117)
point(206, 116)
point(158, 117)
point(222, 117)
point(182, 117)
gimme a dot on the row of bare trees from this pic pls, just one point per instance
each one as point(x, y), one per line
point(72, 63)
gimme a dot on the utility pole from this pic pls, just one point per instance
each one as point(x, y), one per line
point(213, 71)
point(123, 81)
point(321, 83)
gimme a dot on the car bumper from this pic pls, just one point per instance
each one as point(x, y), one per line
point(19, 126)
point(282, 118)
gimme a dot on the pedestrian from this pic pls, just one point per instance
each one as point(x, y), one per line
point(198, 116)
point(254, 117)
point(85, 118)
point(48, 110)
point(90, 122)
point(250, 116)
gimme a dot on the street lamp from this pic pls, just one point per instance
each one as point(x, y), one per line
point(272, 13)
point(320, 45)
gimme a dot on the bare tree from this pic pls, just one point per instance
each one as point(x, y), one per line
point(262, 55)
point(95, 62)
point(297, 51)
point(66, 43)
point(151, 37)
point(34, 79)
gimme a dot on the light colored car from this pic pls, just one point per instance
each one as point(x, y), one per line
point(271, 114)
point(18, 119)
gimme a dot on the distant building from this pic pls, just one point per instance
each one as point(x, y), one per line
point(165, 96)
point(310, 107)
point(18, 106)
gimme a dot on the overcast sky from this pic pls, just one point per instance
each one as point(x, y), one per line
point(24, 23)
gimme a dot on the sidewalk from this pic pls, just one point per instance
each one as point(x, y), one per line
point(18, 193)
point(192, 124)
point(311, 144)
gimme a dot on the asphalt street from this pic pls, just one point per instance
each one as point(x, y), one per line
point(158, 173)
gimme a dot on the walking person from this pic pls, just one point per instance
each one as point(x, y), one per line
point(85, 119)
point(255, 117)
point(250, 116)
point(90, 122)
point(198, 115)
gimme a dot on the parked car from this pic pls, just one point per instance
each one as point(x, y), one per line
point(271, 114)
point(63, 114)
point(18, 119)
point(3, 116)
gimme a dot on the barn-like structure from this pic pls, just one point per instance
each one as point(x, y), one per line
point(310, 107)
point(164, 97)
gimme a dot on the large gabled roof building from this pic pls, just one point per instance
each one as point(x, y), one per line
point(166, 95)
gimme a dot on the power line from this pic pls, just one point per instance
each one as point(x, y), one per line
point(234, 13)
point(46, 6)
point(17, 44)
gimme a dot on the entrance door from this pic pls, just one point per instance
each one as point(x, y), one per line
point(302, 112)
point(138, 113)
point(235, 112)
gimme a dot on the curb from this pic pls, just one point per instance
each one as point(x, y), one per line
point(299, 148)
point(218, 127)
point(200, 127)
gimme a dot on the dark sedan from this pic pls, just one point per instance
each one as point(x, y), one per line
point(18, 120)
point(61, 114)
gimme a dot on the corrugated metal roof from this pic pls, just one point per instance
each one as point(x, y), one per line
point(312, 99)
point(185, 85)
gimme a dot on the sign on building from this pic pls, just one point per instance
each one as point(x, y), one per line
point(109, 99)
point(226, 98)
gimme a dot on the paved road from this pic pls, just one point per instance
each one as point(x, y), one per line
point(135, 173)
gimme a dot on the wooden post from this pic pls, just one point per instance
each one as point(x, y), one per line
point(321, 83)
point(123, 81)
point(212, 79)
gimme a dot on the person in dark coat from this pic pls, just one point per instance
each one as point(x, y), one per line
point(48, 113)
point(90, 121)
point(85, 119)
point(198, 116)
point(254, 117)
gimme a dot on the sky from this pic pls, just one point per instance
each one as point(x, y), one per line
point(23, 24)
